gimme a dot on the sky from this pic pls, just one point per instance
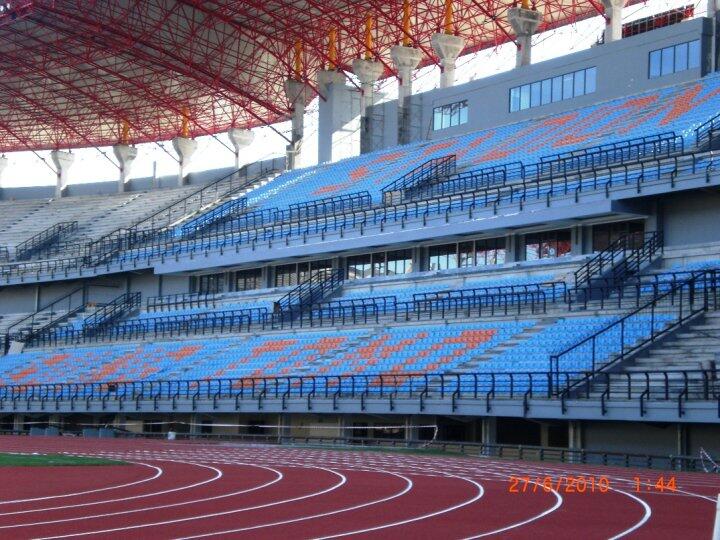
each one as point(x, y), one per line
point(94, 164)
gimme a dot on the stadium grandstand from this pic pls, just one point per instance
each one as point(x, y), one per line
point(521, 267)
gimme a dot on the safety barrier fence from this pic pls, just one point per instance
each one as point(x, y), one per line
point(658, 317)
point(603, 180)
point(47, 237)
point(678, 387)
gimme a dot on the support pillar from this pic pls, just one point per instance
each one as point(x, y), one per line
point(185, 148)
point(488, 435)
point(3, 165)
point(63, 161)
point(367, 72)
point(125, 155)
point(682, 445)
point(412, 432)
point(297, 93)
point(406, 60)
point(284, 429)
point(448, 47)
point(524, 22)
point(18, 422)
point(240, 138)
point(575, 440)
point(613, 19)
point(338, 135)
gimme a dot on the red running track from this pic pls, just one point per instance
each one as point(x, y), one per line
point(192, 490)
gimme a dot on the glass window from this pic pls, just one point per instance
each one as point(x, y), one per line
point(535, 94)
point(437, 119)
point(443, 257)
point(546, 92)
point(547, 245)
point(450, 115)
point(359, 266)
point(515, 99)
point(463, 113)
point(557, 89)
point(655, 63)
point(568, 85)
point(552, 90)
point(525, 97)
point(579, 83)
point(681, 57)
point(668, 64)
point(590, 76)
point(378, 264)
point(247, 280)
point(694, 54)
point(399, 262)
point(466, 255)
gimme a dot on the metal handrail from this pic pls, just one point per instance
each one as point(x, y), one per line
point(37, 242)
point(683, 306)
point(432, 168)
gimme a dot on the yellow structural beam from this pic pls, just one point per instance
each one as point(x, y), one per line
point(448, 21)
point(124, 132)
point(332, 49)
point(406, 41)
point(368, 37)
point(298, 60)
point(185, 126)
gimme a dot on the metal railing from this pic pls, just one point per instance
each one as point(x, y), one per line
point(706, 134)
point(621, 258)
point(217, 214)
point(329, 205)
point(427, 172)
point(112, 311)
point(317, 286)
point(49, 316)
point(631, 333)
point(623, 176)
point(181, 301)
point(680, 387)
point(35, 244)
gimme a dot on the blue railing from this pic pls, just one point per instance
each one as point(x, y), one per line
point(207, 219)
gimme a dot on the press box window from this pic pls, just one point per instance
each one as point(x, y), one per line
point(567, 86)
point(674, 59)
point(450, 115)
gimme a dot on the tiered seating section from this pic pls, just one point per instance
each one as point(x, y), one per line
point(399, 351)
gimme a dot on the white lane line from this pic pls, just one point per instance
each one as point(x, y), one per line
point(480, 493)
point(218, 475)
point(342, 481)
point(408, 487)
point(643, 520)
point(158, 473)
point(558, 504)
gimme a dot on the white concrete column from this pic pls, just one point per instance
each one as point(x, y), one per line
point(240, 138)
point(524, 23)
point(63, 161)
point(184, 148)
point(338, 134)
point(613, 19)
point(712, 8)
point(448, 47)
point(367, 72)
point(3, 165)
point(125, 155)
point(406, 60)
point(575, 439)
point(297, 93)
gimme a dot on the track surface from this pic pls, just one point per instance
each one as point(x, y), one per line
point(177, 489)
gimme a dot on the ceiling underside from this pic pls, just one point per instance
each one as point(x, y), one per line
point(72, 71)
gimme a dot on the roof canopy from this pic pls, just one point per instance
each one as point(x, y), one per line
point(72, 71)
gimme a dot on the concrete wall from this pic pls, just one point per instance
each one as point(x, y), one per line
point(690, 217)
point(622, 69)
